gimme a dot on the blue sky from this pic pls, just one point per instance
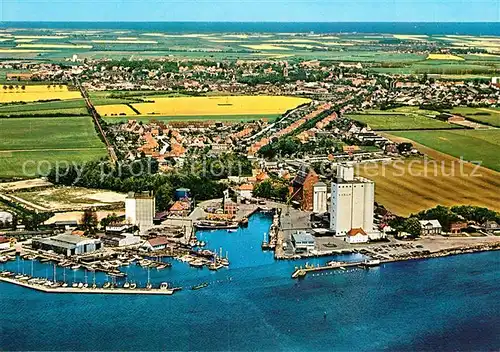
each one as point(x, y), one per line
point(252, 10)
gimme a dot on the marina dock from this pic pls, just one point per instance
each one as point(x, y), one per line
point(302, 272)
point(89, 290)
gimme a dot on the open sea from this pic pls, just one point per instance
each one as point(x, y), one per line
point(446, 304)
point(469, 28)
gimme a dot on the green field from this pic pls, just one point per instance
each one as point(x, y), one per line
point(28, 144)
point(48, 133)
point(37, 163)
point(400, 121)
point(402, 118)
point(472, 145)
point(490, 116)
point(227, 118)
point(32, 108)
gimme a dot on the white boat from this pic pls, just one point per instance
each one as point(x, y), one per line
point(85, 285)
point(232, 230)
point(197, 263)
point(106, 285)
point(74, 284)
point(76, 267)
point(80, 285)
point(133, 286)
point(64, 284)
point(126, 285)
point(165, 288)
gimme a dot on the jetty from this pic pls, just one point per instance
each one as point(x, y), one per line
point(89, 290)
point(332, 265)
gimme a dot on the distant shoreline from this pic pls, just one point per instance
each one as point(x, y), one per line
point(430, 28)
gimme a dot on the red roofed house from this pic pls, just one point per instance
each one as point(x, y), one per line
point(245, 190)
point(180, 208)
point(156, 244)
point(356, 236)
point(4, 243)
point(457, 227)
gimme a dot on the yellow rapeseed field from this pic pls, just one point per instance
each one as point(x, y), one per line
point(35, 93)
point(220, 105)
point(444, 57)
point(115, 110)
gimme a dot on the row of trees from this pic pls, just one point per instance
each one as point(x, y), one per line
point(137, 176)
point(276, 189)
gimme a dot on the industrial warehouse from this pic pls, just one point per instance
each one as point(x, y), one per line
point(67, 244)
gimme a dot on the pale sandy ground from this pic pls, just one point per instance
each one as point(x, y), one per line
point(22, 185)
point(68, 198)
point(77, 215)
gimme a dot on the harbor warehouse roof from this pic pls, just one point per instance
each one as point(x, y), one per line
point(303, 237)
point(65, 241)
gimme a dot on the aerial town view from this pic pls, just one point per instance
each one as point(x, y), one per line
point(250, 176)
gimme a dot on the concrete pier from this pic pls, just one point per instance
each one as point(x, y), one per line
point(89, 290)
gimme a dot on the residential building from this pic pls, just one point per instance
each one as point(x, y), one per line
point(491, 226)
point(319, 199)
point(245, 190)
point(352, 202)
point(4, 243)
point(156, 244)
point(430, 227)
point(140, 209)
point(356, 236)
point(303, 188)
point(457, 227)
point(68, 245)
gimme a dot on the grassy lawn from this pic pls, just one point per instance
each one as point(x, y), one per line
point(222, 118)
point(48, 133)
point(402, 118)
point(472, 145)
point(37, 163)
point(36, 108)
point(487, 115)
point(400, 121)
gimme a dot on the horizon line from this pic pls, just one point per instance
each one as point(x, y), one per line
point(196, 21)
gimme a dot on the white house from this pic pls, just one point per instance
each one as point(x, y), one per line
point(245, 190)
point(356, 236)
point(430, 227)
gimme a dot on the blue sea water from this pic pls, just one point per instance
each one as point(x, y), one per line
point(449, 303)
point(470, 28)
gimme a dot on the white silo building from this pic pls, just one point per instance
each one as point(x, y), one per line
point(319, 198)
point(353, 201)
